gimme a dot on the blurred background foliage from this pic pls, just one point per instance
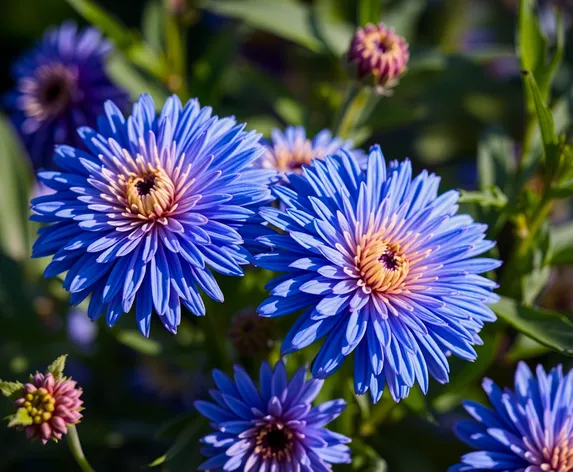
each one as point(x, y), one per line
point(459, 111)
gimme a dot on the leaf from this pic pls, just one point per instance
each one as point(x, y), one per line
point(547, 127)
point(139, 52)
point(287, 19)
point(11, 389)
point(531, 44)
point(493, 160)
point(547, 327)
point(136, 341)
point(369, 11)
point(57, 367)
point(152, 25)
point(182, 442)
point(15, 232)
point(127, 76)
point(561, 244)
point(20, 418)
point(524, 348)
point(209, 70)
point(490, 197)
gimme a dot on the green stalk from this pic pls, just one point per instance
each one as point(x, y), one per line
point(358, 105)
point(76, 449)
point(176, 45)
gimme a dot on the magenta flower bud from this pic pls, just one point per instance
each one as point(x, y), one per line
point(379, 56)
point(52, 404)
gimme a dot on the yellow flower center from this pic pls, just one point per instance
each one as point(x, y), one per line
point(286, 159)
point(149, 195)
point(560, 459)
point(40, 405)
point(381, 264)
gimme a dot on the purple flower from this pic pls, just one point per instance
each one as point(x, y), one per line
point(61, 84)
point(142, 217)
point(529, 430)
point(274, 428)
point(288, 151)
point(378, 264)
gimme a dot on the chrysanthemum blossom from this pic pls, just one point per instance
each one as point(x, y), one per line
point(381, 265)
point(155, 204)
point(273, 428)
point(53, 404)
point(378, 55)
point(61, 84)
point(288, 152)
point(529, 430)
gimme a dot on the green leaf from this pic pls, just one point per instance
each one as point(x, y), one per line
point(524, 348)
point(547, 127)
point(21, 418)
point(531, 44)
point(286, 18)
point(210, 69)
point(130, 78)
point(139, 52)
point(493, 162)
point(152, 24)
point(11, 390)
point(490, 197)
point(547, 327)
point(561, 244)
point(183, 442)
point(136, 341)
point(57, 367)
point(369, 11)
point(16, 231)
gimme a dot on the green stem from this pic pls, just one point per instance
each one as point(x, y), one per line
point(176, 45)
point(76, 449)
point(358, 104)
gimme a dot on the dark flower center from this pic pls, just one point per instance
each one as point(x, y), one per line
point(388, 260)
point(144, 186)
point(56, 86)
point(381, 46)
point(53, 91)
point(274, 441)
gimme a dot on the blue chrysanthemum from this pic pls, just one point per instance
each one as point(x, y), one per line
point(381, 265)
point(275, 429)
point(529, 430)
point(151, 208)
point(61, 85)
point(288, 152)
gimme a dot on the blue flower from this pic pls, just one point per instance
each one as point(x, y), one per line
point(274, 429)
point(288, 152)
point(381, 266)
point(529, 430)
point(61, 84)
point(153, 205)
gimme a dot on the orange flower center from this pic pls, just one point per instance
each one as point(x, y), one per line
point(382, 265)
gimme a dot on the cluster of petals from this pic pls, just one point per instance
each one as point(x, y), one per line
point(381, 266)
point(527, 430)
point(153, 204)
point(61, 84)
point(53, 404)
point(271, 428)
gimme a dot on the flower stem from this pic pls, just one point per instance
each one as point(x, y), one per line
point(359, 103)
point(76, 449)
